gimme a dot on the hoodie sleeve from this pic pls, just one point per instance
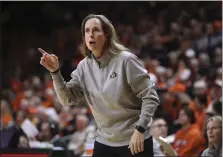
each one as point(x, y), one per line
point(68, 93)
point(143, 88)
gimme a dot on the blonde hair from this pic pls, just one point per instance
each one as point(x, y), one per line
point(112, 44)
point(213, 118)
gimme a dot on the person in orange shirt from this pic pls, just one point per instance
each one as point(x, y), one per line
point(198, 106)
point(188, 140)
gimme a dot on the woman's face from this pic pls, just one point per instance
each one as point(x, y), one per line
point(214, 132)
point(94, 36)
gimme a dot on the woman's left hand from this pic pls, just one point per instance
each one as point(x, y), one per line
point(136, 144)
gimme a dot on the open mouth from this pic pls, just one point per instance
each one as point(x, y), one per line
point(210, 137)
point(91, 42)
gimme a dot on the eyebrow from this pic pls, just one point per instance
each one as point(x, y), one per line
point(92, 27)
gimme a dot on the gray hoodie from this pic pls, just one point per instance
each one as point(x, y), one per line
point(119, 92)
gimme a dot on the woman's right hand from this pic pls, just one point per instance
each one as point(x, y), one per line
point(49, 61)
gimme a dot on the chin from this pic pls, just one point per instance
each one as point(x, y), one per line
point(211, 142)
point(89, 48)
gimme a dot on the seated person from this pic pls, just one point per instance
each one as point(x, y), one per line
point(214, 135)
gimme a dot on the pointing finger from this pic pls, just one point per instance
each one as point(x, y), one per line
point(42, 51)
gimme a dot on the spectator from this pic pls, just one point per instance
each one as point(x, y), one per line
point(47, 132)
point(20, 117)
point(200, 90)
point(198, 108)
point(79, 137)
point(6, 116)
point(215, 105)
point(159, 128)
point(188, 140)
point(214, 134)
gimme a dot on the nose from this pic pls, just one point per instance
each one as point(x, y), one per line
point(209, 131)
point(162, 129)
point(91, 34)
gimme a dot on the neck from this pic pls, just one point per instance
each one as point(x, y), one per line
point(216, 145)
point(97, 55)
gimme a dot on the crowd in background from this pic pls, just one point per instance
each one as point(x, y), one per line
point(179, 43)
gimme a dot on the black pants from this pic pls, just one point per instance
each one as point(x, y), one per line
point(101, 150)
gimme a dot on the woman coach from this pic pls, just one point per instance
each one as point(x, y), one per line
point(116, 87)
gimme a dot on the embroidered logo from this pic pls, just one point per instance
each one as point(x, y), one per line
point(113, 75)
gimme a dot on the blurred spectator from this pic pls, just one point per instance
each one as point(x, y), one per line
point(214, 134)
point(215, 106)
point(198, 108)
point(79, 137)
point(20, 117)
point(6, 115)
point(47, 132)
point(188, 140)
point(159, 128)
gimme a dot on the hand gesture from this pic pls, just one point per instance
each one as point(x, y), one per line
point(49, 61)
point(136, 144)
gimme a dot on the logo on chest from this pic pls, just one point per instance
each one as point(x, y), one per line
point(113, 75)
